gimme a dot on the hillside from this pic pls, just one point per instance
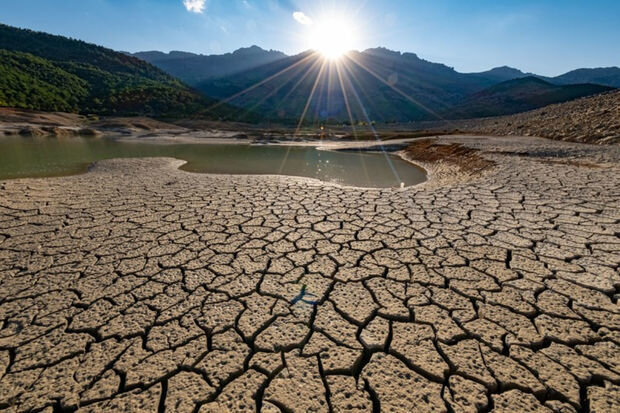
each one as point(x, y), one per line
point(30, 82)
point(607, 76)
point(594, 119)
point(386, 86)
point(194, 68)
point(377, 84)
point(53, 73)
point(39, 71)
point(519, 95)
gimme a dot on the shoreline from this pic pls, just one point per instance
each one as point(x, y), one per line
point(592, 120)
point(322, 145)
point(437, 173)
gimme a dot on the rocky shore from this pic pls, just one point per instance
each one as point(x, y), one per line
point(140, 287)
point(19, 122)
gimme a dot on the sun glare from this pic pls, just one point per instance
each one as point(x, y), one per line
point(332, 37)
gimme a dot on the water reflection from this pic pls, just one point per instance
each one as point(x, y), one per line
point(37, 157)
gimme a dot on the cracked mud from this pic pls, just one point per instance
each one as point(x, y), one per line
point(139, 287)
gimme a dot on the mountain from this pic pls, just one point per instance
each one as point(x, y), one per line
point(503, 73)
point(156, 56)
point(607, 76)
point(519, 95)
point(54, 73)
point(387, 86)
point(377, 84)
point(194, 68)
point(384, 86)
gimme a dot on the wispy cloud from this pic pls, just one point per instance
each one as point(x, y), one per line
point(302, 18)
point(195, 6)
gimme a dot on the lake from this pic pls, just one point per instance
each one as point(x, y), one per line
point(50, 156)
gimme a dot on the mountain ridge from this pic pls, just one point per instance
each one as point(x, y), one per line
point(41, 71)
point(195, 68)
point(400, 86)
point(46, 72)
point(392, 87)
point(502, 73)
point(606, 76)
point(520, 95)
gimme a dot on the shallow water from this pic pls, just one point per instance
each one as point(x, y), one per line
point(41, 157)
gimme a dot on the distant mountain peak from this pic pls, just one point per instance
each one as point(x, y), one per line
point(520, 95)
point(254, 49)
point(382, 51)
point(410, 56)
point(506, 69)
point(196, 68)
point(503, 73)
point(152, 56)
point(608, 76)
point(524, 80)
point(181, 54)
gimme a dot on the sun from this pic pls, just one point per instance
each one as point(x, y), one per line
point(332, 36)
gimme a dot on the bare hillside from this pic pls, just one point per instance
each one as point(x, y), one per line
point(594, 119)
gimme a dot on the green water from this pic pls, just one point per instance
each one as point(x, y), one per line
point(42, 157)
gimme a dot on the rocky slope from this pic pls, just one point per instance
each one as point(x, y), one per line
point(593, 119)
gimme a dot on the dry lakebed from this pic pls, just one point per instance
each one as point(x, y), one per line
point(492, 286)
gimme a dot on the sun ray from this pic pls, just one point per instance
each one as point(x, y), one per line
point(303, 115)
point(300, 81)
point(262, 82)
point(283, 84)
point(346, 101)
point(352, 77)
point(309, 101)
point(394, 88)
point(376, 136)
point(402, 74)
point(320, 95)
point(353, 128)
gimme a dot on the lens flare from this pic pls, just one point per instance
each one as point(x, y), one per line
point(332, 36)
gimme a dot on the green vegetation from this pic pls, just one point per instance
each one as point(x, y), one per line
point(30, 82)
point(53, 73)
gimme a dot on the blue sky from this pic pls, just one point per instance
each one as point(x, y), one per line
point(548, 37)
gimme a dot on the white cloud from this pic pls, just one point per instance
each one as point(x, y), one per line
point(302, 18)
point(195, 6)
